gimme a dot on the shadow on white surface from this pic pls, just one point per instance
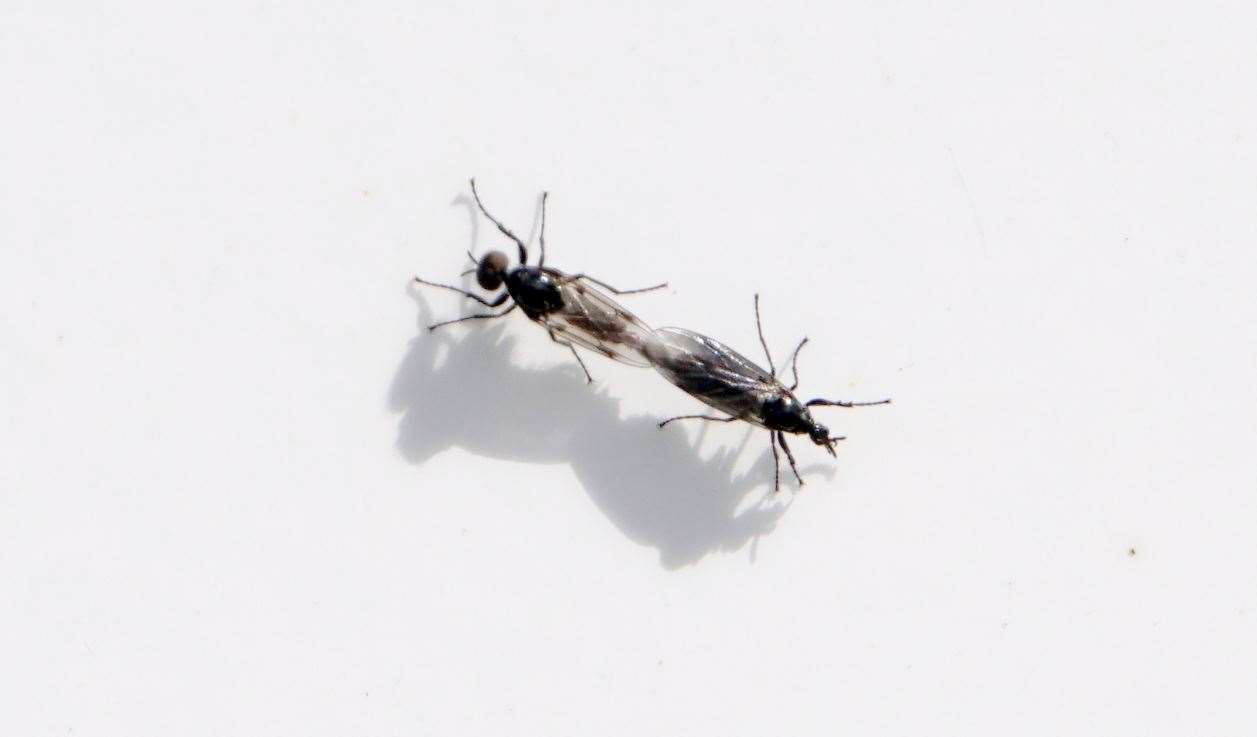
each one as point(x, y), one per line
point(460, 388)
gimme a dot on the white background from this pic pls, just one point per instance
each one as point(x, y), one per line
point(244, 492)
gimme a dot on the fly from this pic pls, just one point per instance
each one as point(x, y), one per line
point(720, 377)
point(566, 305)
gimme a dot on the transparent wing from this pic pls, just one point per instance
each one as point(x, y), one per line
point(591, 319)
point(711, 372)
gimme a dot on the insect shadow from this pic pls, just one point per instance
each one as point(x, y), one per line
point(462, 389)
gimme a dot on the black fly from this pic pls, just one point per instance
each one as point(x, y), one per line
point(570, 310)
point(720, 377)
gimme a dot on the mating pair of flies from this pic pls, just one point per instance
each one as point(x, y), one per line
point(574, 313)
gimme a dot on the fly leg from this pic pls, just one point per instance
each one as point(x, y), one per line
point(697, 417)
point(832, 403)
point(483, 316)
point(542, 261)
point(465, 293)
point(523, 252)
point(572, 348)
point(760, 328)
point(776, 462)
point(781, 438)
point(609, 288)
point(794, 363)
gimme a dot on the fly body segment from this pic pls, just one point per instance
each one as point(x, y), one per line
point(568, 306)
point(720, 377)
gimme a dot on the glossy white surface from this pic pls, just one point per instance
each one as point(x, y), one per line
point(245, 493)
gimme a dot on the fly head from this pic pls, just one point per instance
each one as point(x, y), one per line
point(491, 270)
point(820, 435)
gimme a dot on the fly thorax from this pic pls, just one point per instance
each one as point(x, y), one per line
point(784, 412)
point(534, 290)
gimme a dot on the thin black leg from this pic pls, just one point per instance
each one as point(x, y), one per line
point(781, 438)
point(772, 443)
point(697, 417)
point(758, 326)
point(588, 378)
point(484, 316)
point(831, 403)
point(523, 252)
point(794, 363)
point(576, 355)
point(496, 303)
point(542, 261)
point(609, 288)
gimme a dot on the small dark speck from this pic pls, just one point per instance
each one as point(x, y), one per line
point(1132, 552)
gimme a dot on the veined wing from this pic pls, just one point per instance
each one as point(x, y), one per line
point(591, 319)
point(711, 372)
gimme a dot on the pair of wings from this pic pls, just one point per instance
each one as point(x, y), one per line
point(707, 369)
point(593, 320)
point(712, 372)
